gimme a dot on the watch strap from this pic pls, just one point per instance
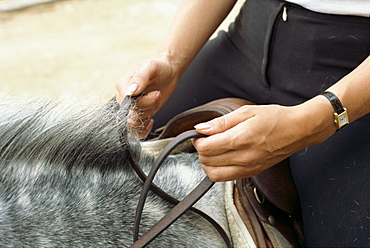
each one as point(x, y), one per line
point(340, 115)
point(335, 102)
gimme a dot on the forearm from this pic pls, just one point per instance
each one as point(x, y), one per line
point(353, 90)
point(194, 22)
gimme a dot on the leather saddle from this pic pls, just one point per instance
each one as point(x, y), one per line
point(268, 203)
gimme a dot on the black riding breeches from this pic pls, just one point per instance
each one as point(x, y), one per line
point(266, 59)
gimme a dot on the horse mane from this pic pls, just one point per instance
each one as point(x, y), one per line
point(66, 179)
point(64, 134)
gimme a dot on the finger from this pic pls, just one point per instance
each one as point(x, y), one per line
point(225, 122)
point(144, 108)
point(140, 115)
point(232, 157)
point(148, 102)
point(134, 122)
point(141, 78)
point(228, 173)
point(236, 138)
point(121, 87)
point(132, 84)
point(145, 131)
point(142, 131)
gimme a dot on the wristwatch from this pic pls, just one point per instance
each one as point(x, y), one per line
point(340, 114)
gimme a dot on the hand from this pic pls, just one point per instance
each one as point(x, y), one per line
point(253, 138)
point(155, 78)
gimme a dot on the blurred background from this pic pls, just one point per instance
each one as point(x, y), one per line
point(78, 48)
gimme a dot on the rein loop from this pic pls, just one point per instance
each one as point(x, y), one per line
point(182, 206)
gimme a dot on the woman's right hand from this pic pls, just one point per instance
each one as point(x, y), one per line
point(156, 79)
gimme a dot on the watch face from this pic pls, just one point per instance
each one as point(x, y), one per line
point(341, 119)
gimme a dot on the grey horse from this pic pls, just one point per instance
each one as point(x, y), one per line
point(66, 181)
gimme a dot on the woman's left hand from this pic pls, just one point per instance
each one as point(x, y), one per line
point(253, 138)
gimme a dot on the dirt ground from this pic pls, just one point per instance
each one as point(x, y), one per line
point(79, 48)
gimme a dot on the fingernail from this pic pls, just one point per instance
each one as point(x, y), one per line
point(132, 89)
point(203, 126)
point(150, 124)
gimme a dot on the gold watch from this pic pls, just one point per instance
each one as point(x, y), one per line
point(340, 114)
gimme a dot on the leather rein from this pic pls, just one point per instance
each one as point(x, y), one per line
point(181, 206)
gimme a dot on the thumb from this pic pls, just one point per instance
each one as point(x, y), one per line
point(140, 79)
point(132, 89)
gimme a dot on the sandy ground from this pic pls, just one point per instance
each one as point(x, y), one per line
point(80, 48)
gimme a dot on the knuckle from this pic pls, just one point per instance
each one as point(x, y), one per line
point(213, 172)
point(202, 148)
point(150, 66)
point(245, 108)
point(202, 160)
point(246, 159)
point(214, 175)
point(221, 122)
point(243, 159)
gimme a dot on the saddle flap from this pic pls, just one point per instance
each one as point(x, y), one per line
point(274, 199)
point(276, 184)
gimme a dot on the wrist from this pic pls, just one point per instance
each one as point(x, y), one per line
point(340, 112)
point(174, 62)
point(316, 119)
